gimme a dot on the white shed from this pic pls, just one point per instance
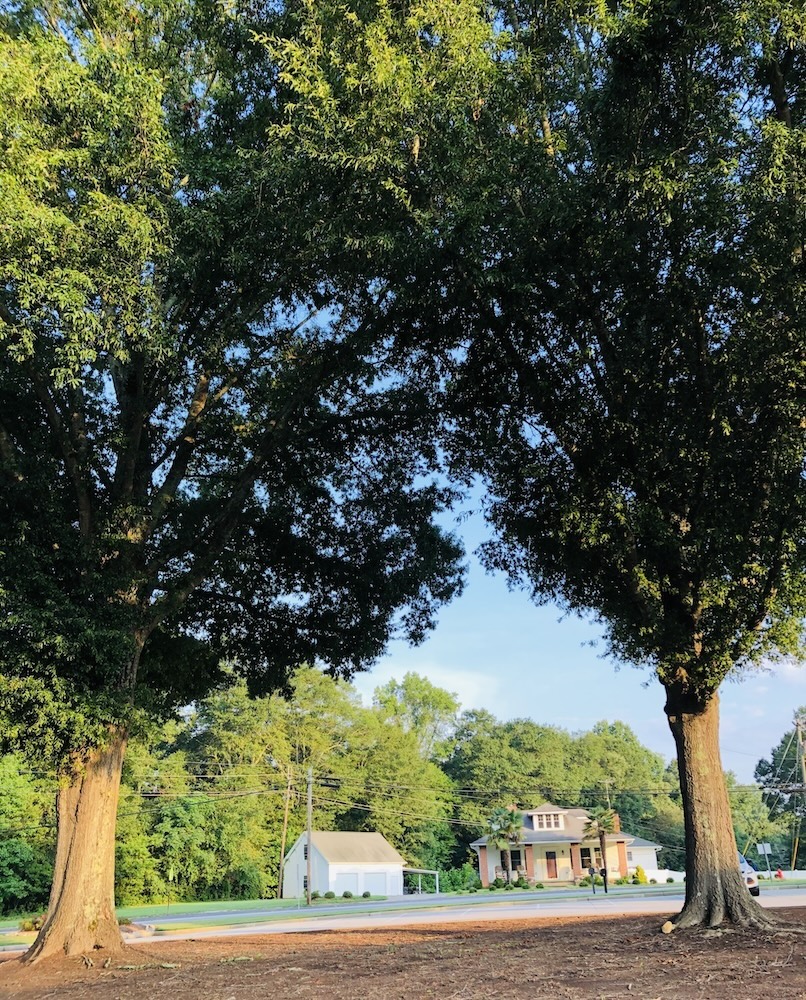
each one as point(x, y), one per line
point(358, 862)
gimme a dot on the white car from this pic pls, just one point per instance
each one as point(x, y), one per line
point(749, 874)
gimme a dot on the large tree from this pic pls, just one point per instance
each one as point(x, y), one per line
point(637, 387)
point(421, 708)
point(606, 238)
point(205, 451)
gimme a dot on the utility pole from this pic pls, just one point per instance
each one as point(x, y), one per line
point(286, 807)
point(310, 833)
point(801, 757)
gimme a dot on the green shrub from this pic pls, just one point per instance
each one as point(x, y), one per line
point(124, 922)
point(670, 879)
point(509, 886)
point(499, 883)
point(33, 923)
point(330, 895)
point(366, 894)
point(347, 894)
point(315, 894)
point(653, 881)
point(472, 889)
point(455, 879)
point(492, 886)
point(624, 880)
point(539, 885)
point(585, 880)
point(640, 876)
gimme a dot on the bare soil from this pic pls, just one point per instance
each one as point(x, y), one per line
point(560, 958)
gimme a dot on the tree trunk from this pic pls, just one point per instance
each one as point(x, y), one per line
point(81, 912)
point(715, 889)
point(506, 858)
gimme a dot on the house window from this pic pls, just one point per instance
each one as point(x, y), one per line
point(515, 860)
point(305, 853)
point(548, 821)
point(305, 882)
point(587, 861)
point(629, 855)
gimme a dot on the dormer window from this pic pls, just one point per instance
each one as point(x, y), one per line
point(548, 821)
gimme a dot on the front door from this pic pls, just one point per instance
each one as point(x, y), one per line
point(551, 864)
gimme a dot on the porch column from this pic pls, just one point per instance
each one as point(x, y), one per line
point(576, 861)
point(622, 858)
point(529, 851)
point(484, 873)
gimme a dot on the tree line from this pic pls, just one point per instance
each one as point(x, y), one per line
point(208, 801)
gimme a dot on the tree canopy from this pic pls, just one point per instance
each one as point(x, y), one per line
point(200, 440)
point(207, 453)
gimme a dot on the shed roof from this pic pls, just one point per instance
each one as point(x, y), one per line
point(355, 848)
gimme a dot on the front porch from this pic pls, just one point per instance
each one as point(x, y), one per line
point(560, 864)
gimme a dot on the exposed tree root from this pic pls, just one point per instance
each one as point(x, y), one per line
point(755, 919)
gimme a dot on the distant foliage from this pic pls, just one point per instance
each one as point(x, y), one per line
point(201, 803)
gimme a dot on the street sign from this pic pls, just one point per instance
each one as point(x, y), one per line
point(763, 849)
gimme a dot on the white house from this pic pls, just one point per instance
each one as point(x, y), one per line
point(644, 853)
point(358, 862)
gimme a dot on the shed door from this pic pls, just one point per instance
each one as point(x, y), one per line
point(375, 882)
point(345, 881)
point(551, 864)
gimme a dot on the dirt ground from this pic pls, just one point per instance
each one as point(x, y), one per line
point(561, 959)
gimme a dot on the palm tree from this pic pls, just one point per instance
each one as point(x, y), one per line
point(601, 821)
point(503, 830)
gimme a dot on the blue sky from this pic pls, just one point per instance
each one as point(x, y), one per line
point(496, 650)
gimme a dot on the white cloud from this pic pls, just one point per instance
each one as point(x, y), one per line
point(791, 671)
point(474, 690)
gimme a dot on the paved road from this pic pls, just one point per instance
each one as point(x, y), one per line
point(398, 913)
point(601, 904)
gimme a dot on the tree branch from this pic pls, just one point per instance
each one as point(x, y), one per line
point(8, 454)
point(69, 449)
point(183, 454)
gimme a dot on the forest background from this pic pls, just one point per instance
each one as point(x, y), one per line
point(204, 797)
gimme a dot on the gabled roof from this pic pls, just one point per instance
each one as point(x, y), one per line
point(640, 842)
point(354, 848)
point(561, 837)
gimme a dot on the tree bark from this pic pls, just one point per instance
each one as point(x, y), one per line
point(715, 889)
point(81, 912)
